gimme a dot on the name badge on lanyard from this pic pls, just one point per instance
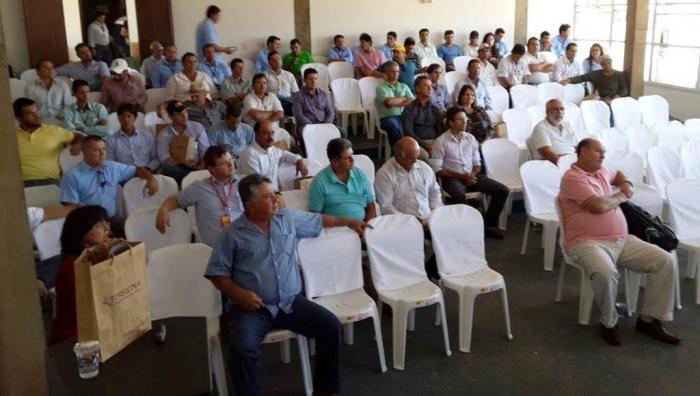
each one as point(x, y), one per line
point(225, 218)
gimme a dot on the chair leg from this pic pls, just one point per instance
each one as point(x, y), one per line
point(445, 335)
point(218, 366)
point(691, 264)
point(503, 218)
point(305, 365)
point(379, 339)
point(400, 318)
point(549, 237)
point(506, 311)
point(466, 317)
point(585, 305)
point(344, 120)
point(353, 117)
point(412, 320)
point(284, 351)
point(438, 319)
point(632, 281)
point(348, 333)
point(676, 282)
point(527, 231)
point(560, 282)
point(312, 346)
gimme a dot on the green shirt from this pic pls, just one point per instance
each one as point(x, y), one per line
point(386, 91)
point(294, 65)
point(328, 195)
point(87, 119)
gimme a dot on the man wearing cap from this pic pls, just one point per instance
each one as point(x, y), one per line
point(122, 88)
point(88, 69)
point(150, 64)
point(180, 126)
point(211, 66)
point(488, 72)
point(200, 107)
point(472, 47)
point(407, 70)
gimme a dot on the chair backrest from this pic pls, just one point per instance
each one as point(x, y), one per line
point(137, 74)
point(502, 160)
point(541, 181)
point(672, 134)
point(154, 97)
point(613, 139)
point(338, 70)
point(66, 160)
point(572, 113)
point(365, 164)
point(140, 226)
point(194, 176)
point(368, 91)
point(574, 93)
point(461, 63)
point(151, 119)
point(67, 80)
point(550, 90)
point(429, 60)
point(17, 88)
point(248, 68)
point(346, 93)
point(395, 250)
point(519, 126)
point(499, 97)
point(113, 123)
point(629, 162)
point(288, 173)
point(523, 96)
point(654, 110)
point(296, 199)
point(28, 76)
point(457, 237)
point(94, 96)
point(565, 162)
point(641, 139)
point(176, 284)
point(331, 263)
point(690, 156)
point(316, 138)
point(451, 79)
point(663, 166)
point(136, 198)
point(494, 116)
point(684, 210)
point(693, 125)
point(42, 196)
point(324, 79)
point(626, 112)
point(282, 135)
point(47, 237)
point(596, 115)
point(648, 198)
point(537, 113)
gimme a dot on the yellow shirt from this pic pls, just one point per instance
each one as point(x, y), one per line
point(39, 151)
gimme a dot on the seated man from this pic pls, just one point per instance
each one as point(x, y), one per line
point(483, 98)
point(472, 47)
point(180, 83)
point(231, 133)
point(264, 158)
point(92, 71)
point(132, 146)
point(167, 67)
point(422, 119)
point(51, 96)
point(261, 59)
point(545, 41)
point(178, 168)
point(500, 45)
point(513, 69)
point(488, 72)
point(425, 47)
point(455, 157)
point(392, 97)
point(553, 136)
point(281, 82)
point(567, 66)
point(254, 265)
point(537, 62)
point(201, 109)
point(260, 105)
point(122, 88)
point(407, 70)
point(39, 145)
point(84, 116)
point(597, 239)
point(297, 58)
point(368, 59)
point(311, 104)
point(150, 64)
point(448, 50)
point(410, 45)
point(440, 97)
point(215, 199)
point(388, 48)
point(95, 180)
point(608, 83)
point(236, 86)
point(340, 189)
point(339, 52)
point(215, 69)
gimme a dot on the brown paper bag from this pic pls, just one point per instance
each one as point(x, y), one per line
point(182, 149)
point(303, 183)
point(112, 299)
point(500, 130)
point(281, 144)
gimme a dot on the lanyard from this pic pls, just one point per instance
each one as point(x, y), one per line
point(224, 199)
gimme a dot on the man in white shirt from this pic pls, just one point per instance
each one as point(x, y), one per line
point(537, 62)
point(281, 82)
point(513, 69)
point(424, 47)
point(264, 158)
point(472, 47)
point(98, 38)
point(553, 136)
point(51, 95)
point(150, 64)
point(488, 72)
point(180, 84)
point(261, 105)
point(567, 66)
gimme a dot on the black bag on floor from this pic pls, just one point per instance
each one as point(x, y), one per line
point(648, 228)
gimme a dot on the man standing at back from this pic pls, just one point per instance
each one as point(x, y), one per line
point(560, 42)
point(98, 38)
point(208, 33)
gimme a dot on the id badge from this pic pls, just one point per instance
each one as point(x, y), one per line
point(225, 220)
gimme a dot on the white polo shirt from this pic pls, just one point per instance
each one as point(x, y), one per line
point(515, 72)
point(269, 102)
point(537, 77)
point(415, 192)
point(255, 159)
point(562, 141)
point(283, 84)
point(564, 68)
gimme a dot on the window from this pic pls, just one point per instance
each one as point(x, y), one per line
point(603, 22)
point(673, 43)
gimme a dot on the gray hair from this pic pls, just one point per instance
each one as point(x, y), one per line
point(249, 185)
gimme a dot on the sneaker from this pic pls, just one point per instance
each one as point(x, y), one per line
point(657, 330)
point(611, 335)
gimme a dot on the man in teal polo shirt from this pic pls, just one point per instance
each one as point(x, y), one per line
point(392, 97)
point(340, 189)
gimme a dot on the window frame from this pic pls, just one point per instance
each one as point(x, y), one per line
point(612, 6)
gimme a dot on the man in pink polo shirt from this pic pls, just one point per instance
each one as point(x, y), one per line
point(368, 58)
point(597, 239)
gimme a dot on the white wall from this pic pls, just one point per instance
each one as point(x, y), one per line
point(15, 34)
point(244, 24)
point(406, 17)
point(548, 15)
point(74, 27)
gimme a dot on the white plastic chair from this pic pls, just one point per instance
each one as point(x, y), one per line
point(28, 76)
point(664, 165)
point(368, 91)
point(641, 139)
point(451, 79)
point(574, 93)
point(288, 173)
point(191, 210)
point(519, 126)
point(67, 160)
point(613, 139)
point(596, 115)
point(94, 96)
point(629, 162)
point(136, 197)
point(499, 97)
point(626, 112)
point(502, 161)
point(672, 134)
point(154, 97)
point(458, 242)
point(396, 256)
point(338, 70)
point(565, 161)
point(550, 90)
point(140, 226)
point(523, 96)
point(365, 164)
point(296, 199)
point(47, 238)
point(332, 269)
point(692, 126)
point(347, 100)
point(537, 113)
point(151, 120)
point(324, 79)
point(17, 88)
point(690, 156)
point(461, 63)
point(573, 115)
point(316, 138)
point(429, 60)
point(495, 117)
point(113, 123)
point(684, 214)
point(654, 110)
point(541, 182)
point(42, 196)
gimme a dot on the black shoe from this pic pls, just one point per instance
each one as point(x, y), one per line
point(657, 330)
point(611, 335)
point(493, 233)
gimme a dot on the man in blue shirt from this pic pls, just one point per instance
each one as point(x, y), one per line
point(167, 67)
point(560, 42)
point(88, 69)
point(261, 62)
point(339, 52)
point(389, 46)
point(217, 70)
point(501, 46)
point(129, 145)
point(207, 33)
point(95, 181)
point(340, 189)
point(180, 126)
point(448, 50)
point(231, 133)
point(254, 264)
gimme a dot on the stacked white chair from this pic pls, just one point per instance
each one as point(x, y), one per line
point(338, 70)
point(672, 134)
point(519, 126)
point(550, 90)
point(28, 76)
point(690, 156)
point(500, 98)
point(664, 165)
point(654, 110)
point(613, 139)
point(154, 97)
point(47, 238)
point(191, 210)
point(396, 256)
point(537, 113)
point(572, 114)
point(288, 173)
point(67, 160)
point(324, 79)
point(42, 196)
point(502, 161)
point(316, 138)
point(429, 60)
point(596, 115)
point(494, 116)
point(458, 242)
point(140, 226)
point(296, 199)
point(626, 112)
point(574, 93)
point(136, 197)
point(564, 163)
point(684, 213)
point(461, 63)
point(17, 88)
point(368, 91)
point(366, 164)
point(523, 96)
point(451, 79)
point(332, 269)
point(113, 123)
point(541, 182)
point(642, 138)
point(347, 100)
point(629, 162)
point(692, 126)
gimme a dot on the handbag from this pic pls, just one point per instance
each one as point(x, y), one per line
point(648, 228)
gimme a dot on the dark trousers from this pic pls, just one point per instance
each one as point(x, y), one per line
point(497, 191)
point(176, 171)
point(309, 319)
point(103, 53)
point(287, 105)
point(392, 126)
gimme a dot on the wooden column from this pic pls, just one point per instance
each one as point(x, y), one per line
point(155, 23)
point(302, 23)
point(46, 31)
point(520, 33)
point(635, 38)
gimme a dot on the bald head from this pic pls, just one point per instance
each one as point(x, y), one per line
point(406, 152)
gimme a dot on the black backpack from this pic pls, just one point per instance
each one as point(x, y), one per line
point(648, 228)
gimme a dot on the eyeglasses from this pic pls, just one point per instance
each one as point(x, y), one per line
point(101, 224)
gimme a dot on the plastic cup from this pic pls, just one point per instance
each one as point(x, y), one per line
point(87, 354)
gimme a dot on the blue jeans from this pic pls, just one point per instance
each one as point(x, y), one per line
point(392, 126)
point(308, 319)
